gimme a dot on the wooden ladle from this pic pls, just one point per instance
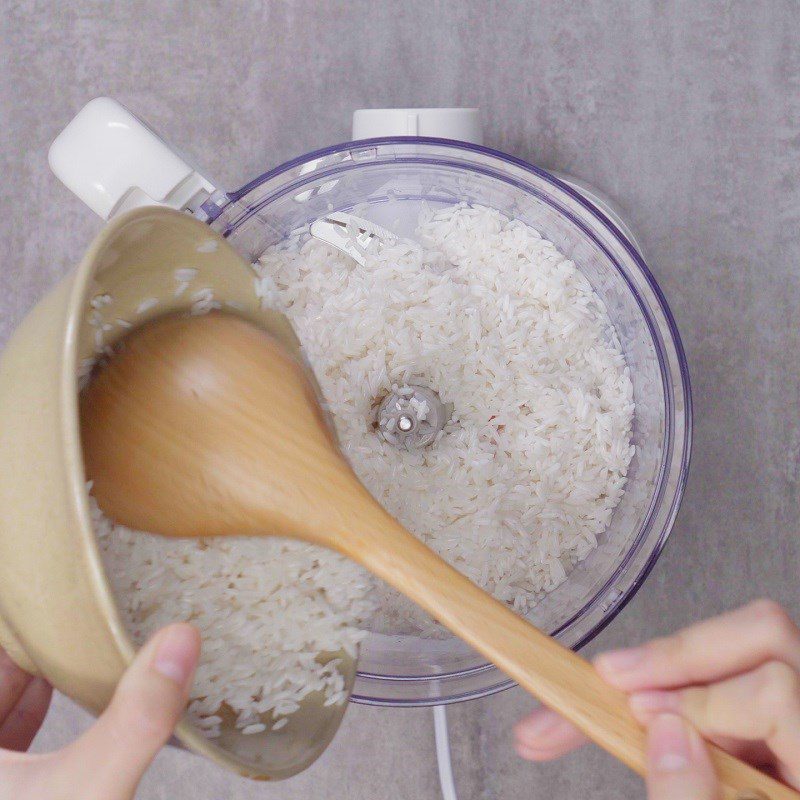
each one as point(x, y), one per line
point(209, 426)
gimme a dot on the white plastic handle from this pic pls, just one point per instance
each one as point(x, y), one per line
point(461, 124)
point(113, 162)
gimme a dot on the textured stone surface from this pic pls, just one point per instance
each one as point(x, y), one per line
point(688, 114)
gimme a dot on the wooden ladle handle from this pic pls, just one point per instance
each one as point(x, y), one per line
point(551, 672)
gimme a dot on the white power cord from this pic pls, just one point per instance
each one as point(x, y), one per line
point(443, 753)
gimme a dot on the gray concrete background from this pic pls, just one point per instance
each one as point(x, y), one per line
point(688, 113)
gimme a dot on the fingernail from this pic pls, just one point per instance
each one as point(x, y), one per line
point(669, 743)
point(528, 753)
point(621, 660)
point(537, 725)
point(176, 654)
point(654, 702)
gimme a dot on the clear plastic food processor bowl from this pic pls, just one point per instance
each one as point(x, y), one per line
point(386, 179)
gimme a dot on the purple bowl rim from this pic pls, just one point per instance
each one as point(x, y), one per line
point(685, 455)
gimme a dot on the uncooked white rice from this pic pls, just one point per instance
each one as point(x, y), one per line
point(208, 246)
point(146, 305)
point(514, 492)
point(266, 609)
point(185, 274)
point(183, 277)
point(100, 300)
point(203, 301)
point(497, 321)
point(256, 728)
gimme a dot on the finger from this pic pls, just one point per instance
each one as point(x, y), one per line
point(712, 650)
point(13, 682)
point(678, 765)
point(545, 735)
point(25, 719)
point(110, 758)
point(647, 704)
point(761, 705)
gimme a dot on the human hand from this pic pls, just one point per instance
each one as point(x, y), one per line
point(108, 761)
point(735, 679)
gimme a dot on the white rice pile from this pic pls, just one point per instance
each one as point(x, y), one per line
point(491, 316)
point(523, 479)
point(266, 610)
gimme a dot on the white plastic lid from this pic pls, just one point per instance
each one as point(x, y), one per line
point(113, 162)
point(462, 124)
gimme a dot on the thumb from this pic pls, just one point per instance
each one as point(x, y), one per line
point(109, 760)
point(678, 764)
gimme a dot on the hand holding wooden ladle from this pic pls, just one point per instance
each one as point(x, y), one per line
point(208, 426)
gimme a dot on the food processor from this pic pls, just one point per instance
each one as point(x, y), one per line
point(400, 159)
